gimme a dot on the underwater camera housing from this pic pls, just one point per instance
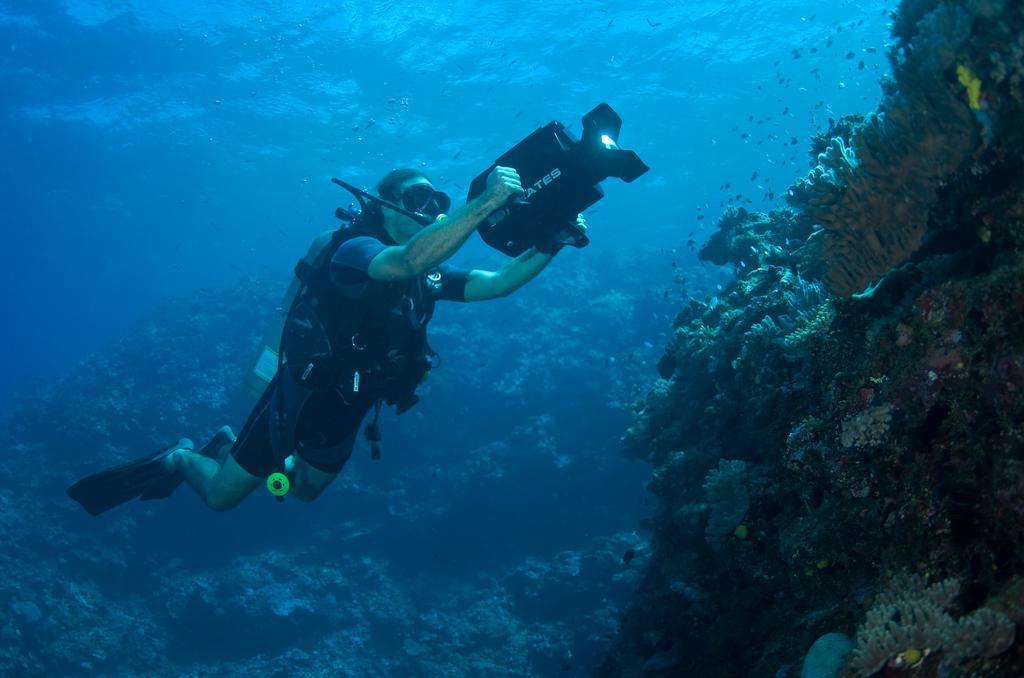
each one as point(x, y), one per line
point(561, 175)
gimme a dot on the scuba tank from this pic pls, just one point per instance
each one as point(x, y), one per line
point(265, 367)
point(261, 374)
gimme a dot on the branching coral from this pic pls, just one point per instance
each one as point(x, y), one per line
point(913, 616)
point(808, 310)
point(740, 239)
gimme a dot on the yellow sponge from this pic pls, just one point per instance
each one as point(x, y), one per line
point(973, 85)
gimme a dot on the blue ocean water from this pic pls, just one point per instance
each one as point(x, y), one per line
point(158, 152)
point(151, 149)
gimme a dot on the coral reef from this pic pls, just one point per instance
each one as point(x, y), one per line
point(868, 427)
point(911, 620)
point(726, 492)
point(880, 429)
point(876, 185)
point(745, 238)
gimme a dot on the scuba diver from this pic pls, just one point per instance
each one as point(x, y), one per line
point(354, 338)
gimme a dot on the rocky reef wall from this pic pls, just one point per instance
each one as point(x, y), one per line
point(836, 437)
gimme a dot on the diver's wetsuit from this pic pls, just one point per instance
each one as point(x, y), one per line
point(325, 423)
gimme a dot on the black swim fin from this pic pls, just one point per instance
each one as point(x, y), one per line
point(137, 479)
point(165, 486)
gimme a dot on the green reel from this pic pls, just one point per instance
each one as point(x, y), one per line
point(279, 485)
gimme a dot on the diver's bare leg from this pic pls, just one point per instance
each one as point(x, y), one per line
point(309, 482)
point(220, 486)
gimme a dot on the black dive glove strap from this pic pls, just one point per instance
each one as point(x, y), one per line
point(573, 236)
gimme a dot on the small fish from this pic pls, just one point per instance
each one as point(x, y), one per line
point(653, 24)
point(628, 556)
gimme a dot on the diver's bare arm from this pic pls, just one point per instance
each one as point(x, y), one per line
point(432, 245)
point(439, 241)
point(484, 285)
point(436, 243)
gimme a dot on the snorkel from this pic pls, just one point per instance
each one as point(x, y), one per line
point(363, 197)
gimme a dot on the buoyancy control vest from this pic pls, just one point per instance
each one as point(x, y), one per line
point(367, 341)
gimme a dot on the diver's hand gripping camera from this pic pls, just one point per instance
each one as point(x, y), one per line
point(561, 176)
